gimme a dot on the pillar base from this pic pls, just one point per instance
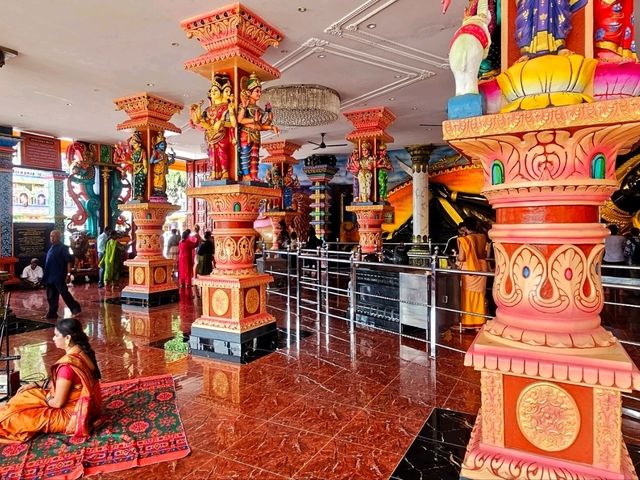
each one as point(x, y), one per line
point(370, 217)
point(150, 282)
point(231, 346)
point(235, 325)
point(484, 462)
point(419, 256)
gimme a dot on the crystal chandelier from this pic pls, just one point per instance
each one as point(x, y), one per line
point(303, 105)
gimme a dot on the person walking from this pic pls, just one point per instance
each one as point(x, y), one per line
point(101, 245)
point(57, 272)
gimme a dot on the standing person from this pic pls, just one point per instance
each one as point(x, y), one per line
point(101, 244)
point(313, 242)
point(614, 247)
point(204, 255)
point(283, 238)
point(472, 254)
point(72, 400)
point(111, 262)
point(32, 274)
point(185, 258)
point(632, 252)
point(172, 248)
point(57, 272)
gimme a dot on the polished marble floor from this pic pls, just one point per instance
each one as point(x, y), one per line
point(333, 406)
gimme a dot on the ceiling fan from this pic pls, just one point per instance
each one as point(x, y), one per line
point(324, 145)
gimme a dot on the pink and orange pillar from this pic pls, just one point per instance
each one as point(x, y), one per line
point(370, 128)
point(234, 325)
point(150, 280)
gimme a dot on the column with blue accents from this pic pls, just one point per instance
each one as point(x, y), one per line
point(8, 143)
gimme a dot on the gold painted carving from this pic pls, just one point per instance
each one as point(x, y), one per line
point(139, 276)
point(493, 408)
point(548, 416)
point(607, 426)
point(220, 302)
point(160, 275)
point(252, 301)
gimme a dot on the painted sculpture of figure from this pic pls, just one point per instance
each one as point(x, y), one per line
point(365, 172)
point(290, 183)
point(253, 120)
point(384, 167)
point(542, 26)
point(140, 167)
point(160, 162)
point(219, 124)
point(469, 46)
point(353, 165)
point(614, 31)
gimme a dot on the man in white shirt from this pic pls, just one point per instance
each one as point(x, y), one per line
point(32, 274)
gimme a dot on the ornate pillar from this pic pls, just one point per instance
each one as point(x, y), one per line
point(369, 163)
point(420, 154)
point(150, 281)
point(280, 177)
point(320, 169)
point(7, 260)
point(235, 324)
point(551, 375)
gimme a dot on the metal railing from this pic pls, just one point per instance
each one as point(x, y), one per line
point(322, 284)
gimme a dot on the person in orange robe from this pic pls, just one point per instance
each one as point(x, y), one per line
point(72, 400)
point(472, 255)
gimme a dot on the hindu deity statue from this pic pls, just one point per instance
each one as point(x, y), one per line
point(219, 123)
point(366, 163)
point(160, 162)
point(253, 120)
point(614, 31)
point(384, 166)
point(139, 165)
point(353, 165)
point(290, 183)
point(542, 26)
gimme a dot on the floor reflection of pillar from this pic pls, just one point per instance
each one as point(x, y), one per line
point(551, 375)
point(221, 385)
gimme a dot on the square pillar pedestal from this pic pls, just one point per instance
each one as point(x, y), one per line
point(235, 325)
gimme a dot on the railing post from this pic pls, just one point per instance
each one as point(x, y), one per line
point(298, 292)
point(432, 301)
point(288, 296)
point(325, 255)
point(352, 292)
point(318, 284)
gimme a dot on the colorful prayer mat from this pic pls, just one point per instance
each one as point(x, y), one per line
point(140, 426)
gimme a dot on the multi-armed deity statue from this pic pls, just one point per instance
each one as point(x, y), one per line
point(363, 167)
point(219, 123)
point(160, 161)
point(140, 166)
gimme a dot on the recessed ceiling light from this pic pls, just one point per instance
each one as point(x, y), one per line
point(414, 108)
point(175, 44)
point(69, 104)
point(392, 98)
point(322, 55)
point(96, 89)
point(150, 84)
point(371, 25)
point(397, 76)
point(284, 51)
point(21, 115)
point(302, 9)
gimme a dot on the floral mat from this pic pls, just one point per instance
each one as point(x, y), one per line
point(140, 426)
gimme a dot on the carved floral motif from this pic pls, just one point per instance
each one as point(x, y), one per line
point(607, 426)
point(493, 406)
point(548, 416)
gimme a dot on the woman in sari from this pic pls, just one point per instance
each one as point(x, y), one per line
point(186, 248)
point(69, 404)
point(111, 261)
point(472, 256)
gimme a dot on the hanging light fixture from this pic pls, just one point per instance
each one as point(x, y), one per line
point(303, 105)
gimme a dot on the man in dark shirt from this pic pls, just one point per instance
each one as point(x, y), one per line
point(57, 271)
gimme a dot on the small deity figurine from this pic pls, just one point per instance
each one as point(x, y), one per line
point(384, 166)
point(253, 120)
point(614, 30)
point(366, 163)
point(139, 165)
point(219, 123)
point(290, 182)
point(353, 165)
point(542, 26)
point(160, 162)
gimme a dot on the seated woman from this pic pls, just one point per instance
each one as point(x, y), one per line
point(69, 404)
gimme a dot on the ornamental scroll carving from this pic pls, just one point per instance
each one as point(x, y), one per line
point(607, 428)
point(549, 154)
point(234, 250)
point(228, 202)
point(571, 277)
